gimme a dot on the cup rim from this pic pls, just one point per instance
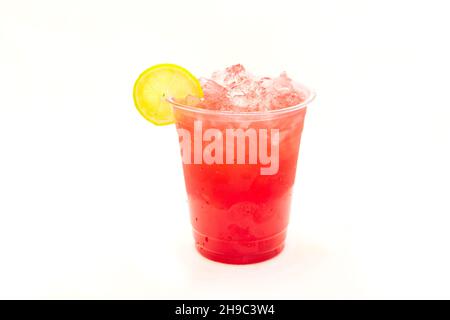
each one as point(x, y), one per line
point(309, 99)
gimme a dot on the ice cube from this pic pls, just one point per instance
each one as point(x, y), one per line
point(214, 95)
point(232, 76)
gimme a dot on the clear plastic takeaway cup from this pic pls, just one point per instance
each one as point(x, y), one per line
point(238, 214)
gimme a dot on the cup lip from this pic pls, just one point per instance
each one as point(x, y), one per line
point(309, 99)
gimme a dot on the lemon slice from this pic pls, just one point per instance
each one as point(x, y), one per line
point(158, 83)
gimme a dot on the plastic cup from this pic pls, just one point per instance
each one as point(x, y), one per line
point(239, 215)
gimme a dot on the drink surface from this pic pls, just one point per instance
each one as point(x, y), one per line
point(238, 214)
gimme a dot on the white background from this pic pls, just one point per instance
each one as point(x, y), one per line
point(92, 199)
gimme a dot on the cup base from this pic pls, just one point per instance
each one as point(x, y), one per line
point(245, 259)
point(239, 251)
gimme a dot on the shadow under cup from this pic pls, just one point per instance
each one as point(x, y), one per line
point(239, 205)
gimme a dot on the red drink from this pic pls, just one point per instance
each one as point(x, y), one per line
point(240, 202)
point(238, 215)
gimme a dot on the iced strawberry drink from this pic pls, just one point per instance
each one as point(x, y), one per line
point(240, 147)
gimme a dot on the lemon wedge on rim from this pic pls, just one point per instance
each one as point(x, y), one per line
point(158, 83)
